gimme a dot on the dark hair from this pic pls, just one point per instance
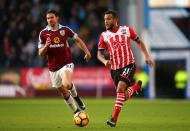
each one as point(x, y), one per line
point(114, 13)
point(53, 12)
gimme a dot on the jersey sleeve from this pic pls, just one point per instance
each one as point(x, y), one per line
point(101, 44)
point(70, 33)
point(133, 34)
point(41, 41)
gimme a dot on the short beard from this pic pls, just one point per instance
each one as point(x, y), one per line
point(52, 25)
point(111, 27)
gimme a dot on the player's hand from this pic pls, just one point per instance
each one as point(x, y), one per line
point(87, 56)
point(107, 63)
point(48, 41)
point(149, 61)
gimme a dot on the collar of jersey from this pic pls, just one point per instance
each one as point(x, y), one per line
point(48, 27)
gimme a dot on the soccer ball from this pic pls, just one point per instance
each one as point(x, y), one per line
point(81, 119)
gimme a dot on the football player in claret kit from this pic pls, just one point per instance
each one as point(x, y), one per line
point(116, 39)
point(54, 47)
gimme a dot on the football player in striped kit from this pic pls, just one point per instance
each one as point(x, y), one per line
point(116, 40)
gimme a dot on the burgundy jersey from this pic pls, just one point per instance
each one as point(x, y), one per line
point(117, 42)
point(58, 53)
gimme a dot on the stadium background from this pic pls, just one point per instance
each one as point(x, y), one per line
point(164, 25)
point(23, 73)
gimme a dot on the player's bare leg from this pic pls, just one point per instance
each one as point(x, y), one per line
point(67, 77)
point(120, 98)
point(68, 98)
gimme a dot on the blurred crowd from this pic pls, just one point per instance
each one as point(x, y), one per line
point(22, 20)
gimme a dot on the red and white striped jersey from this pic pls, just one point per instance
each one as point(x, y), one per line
point(117, 42)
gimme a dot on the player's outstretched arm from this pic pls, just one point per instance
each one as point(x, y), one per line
point(83, 47)
point(100, 56)
point(148, 59)
point(42, 51)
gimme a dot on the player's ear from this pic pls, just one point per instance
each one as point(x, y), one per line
point(116, 20)
point(57, 17)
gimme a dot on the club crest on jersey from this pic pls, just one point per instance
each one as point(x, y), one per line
point(62, 32)
point(56, 40)
point(123, 31)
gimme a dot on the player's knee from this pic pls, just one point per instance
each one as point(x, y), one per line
point(67, 85)
point(121, 87)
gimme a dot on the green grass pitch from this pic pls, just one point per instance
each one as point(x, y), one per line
point(54, 115)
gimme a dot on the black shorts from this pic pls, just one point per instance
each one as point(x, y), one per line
point(125, 74)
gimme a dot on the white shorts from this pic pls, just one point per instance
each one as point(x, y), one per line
point(56, 76)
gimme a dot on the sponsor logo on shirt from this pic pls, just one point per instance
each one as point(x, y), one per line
point(55, 46)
